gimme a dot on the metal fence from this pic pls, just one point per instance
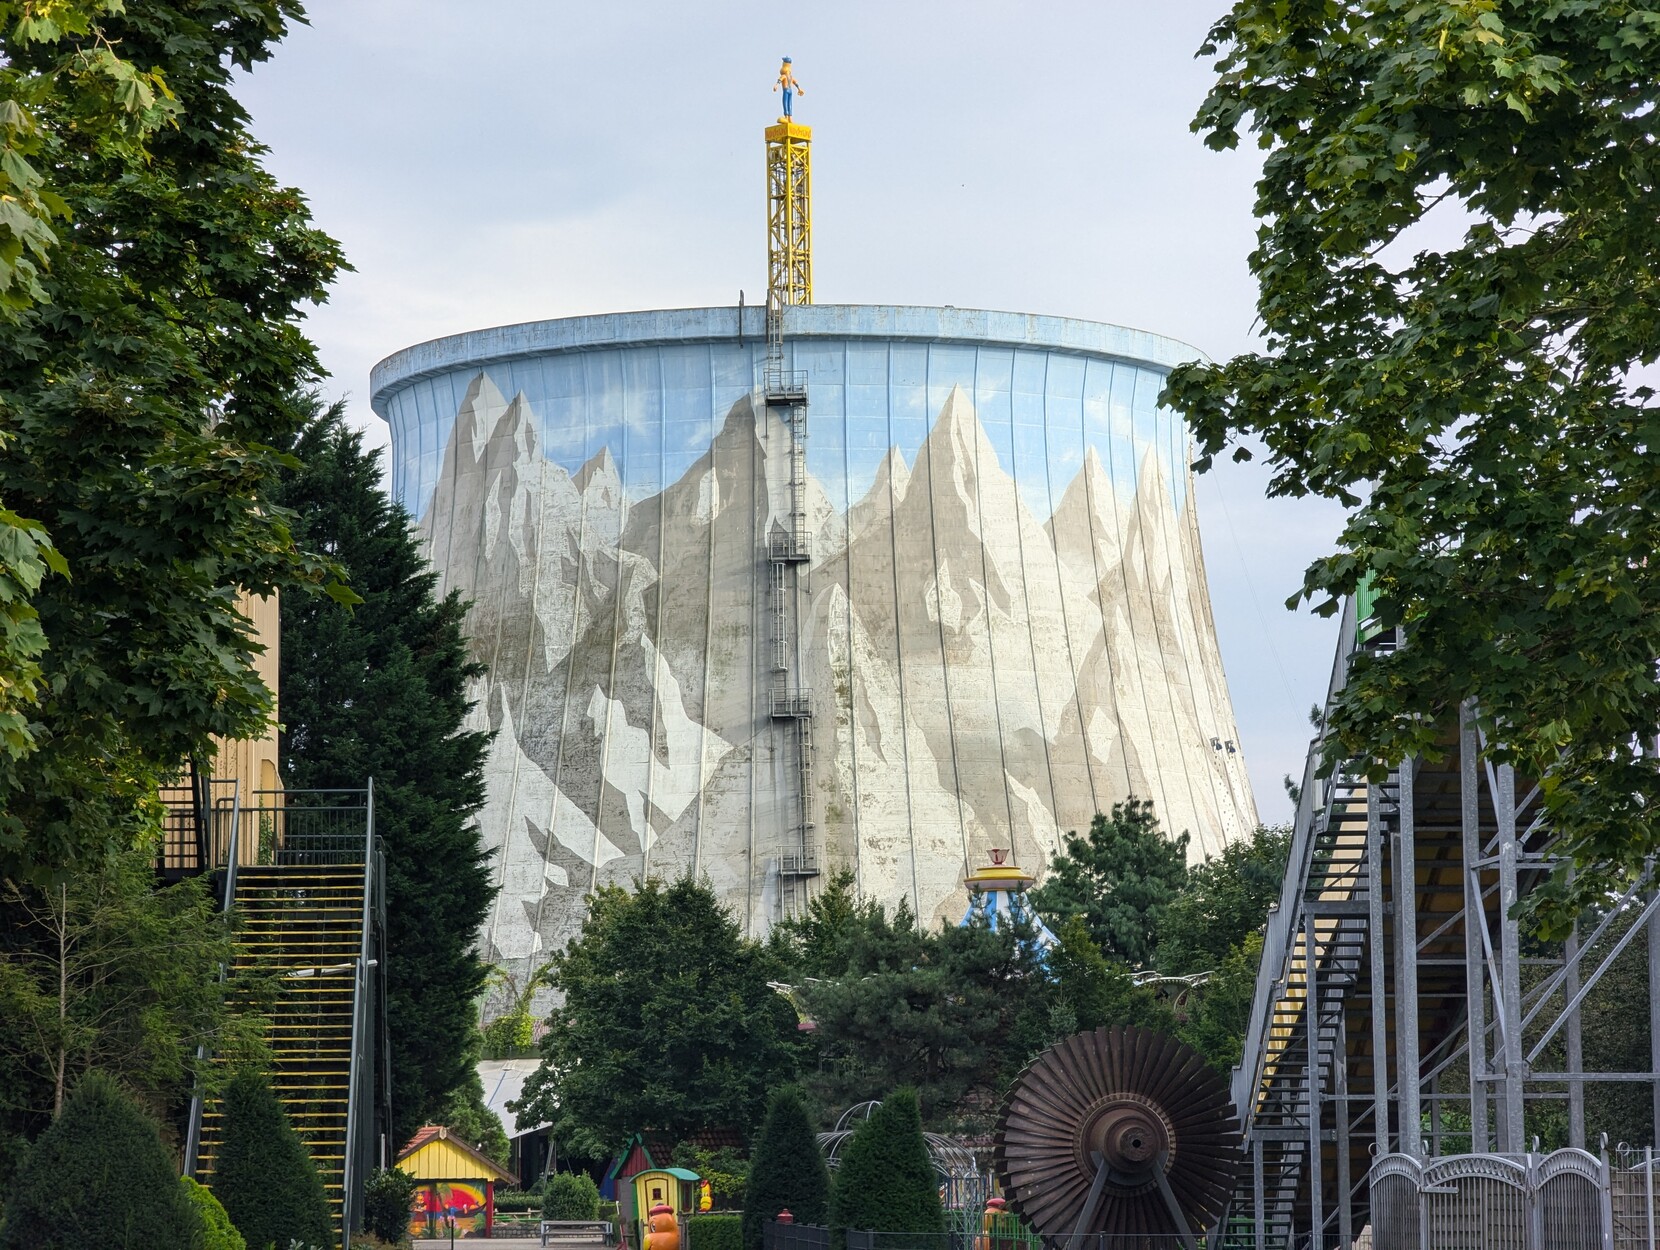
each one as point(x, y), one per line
point(1001, 1233)
point(1565, 1200)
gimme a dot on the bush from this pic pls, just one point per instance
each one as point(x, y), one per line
point(518, 1200)
point(219, 1232)
point(786, 1171)
point(388, 1195)
point(99, 1176)
point(570, 1196)
point(264, 1174)
point(886, 1181)
point(715, 1232)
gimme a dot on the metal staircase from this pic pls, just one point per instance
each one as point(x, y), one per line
point(313, 915)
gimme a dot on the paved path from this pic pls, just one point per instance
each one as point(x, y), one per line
point(506, 1243)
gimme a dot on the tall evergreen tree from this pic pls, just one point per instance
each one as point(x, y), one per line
point(381, 691)
point(263, 1175)
point(886, 1181)
point(787, 1171)
point(99, 1176)
point(1120, 879)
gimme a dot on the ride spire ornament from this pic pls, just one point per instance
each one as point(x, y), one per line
point(788, 85)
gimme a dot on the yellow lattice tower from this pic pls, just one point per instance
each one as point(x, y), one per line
point(789, 215)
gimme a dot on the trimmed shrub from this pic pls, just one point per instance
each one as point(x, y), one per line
point(220, 1233)
point(786, 1170)
point(886, 1181)
point(715, 1232)
point(570, 1196)
point(264, 1174)
point(388, 1195)
point(517, 1200)
point(99, 1176)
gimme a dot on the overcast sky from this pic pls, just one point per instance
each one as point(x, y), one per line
point(492, 161)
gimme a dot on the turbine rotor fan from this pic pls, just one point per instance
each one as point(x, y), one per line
point(1123, 1131)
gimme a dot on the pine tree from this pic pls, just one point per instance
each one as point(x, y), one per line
point(886, 1181)
point(380, 691)
point(99, 1176)
point(787, 1171)
point(263, 1175)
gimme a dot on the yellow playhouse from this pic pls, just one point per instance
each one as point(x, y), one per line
point(457, 1183)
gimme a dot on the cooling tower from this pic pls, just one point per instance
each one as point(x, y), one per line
point(968, 610)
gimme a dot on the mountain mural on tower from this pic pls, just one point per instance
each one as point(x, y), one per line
point(982, 676)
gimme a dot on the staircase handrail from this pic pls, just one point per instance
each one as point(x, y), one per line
point(193, 1134)
point(348, 1176)
point(1309, 820)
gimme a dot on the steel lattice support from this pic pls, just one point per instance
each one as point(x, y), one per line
point(1392, 986)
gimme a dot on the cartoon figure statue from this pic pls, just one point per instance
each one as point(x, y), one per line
point(665, 1229)
point(787, 83)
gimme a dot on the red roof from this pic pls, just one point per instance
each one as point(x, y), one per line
point(429, 1133)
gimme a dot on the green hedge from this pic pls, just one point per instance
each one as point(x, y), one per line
point(715, 1232)
point(570, 1196)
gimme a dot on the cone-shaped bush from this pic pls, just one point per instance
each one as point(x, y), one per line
point(264, 1175)
point(99, 1176)
point(220, 1233)
point(886, 1181)
point(786, 1170)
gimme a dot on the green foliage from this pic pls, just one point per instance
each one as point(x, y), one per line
point(955, 1012)
point(512, 1034)
point(667, 1022)
point(714, 1232)
point(218, 1231)
point(465, 1114)
point(1220, 1010)
point(1478, 404)
point(99, 1176)
point(570, 1196)
point(516, 1200)
point(886, 1181)
point(725, 1168)
point(787, 1171)
point(146, 374)
point(104, 970)
point(263, 1174)
point(1119, 879)
point(388, 1195)
point(381, 691)
point(1225, 899)
point(1096, 992)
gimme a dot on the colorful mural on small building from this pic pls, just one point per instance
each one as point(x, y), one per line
point(457, 1184)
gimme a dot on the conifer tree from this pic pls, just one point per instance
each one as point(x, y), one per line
point(787, 1171)
point(886, 1181)
point(263, 1175)
point(99, 1176)
point(380, 691)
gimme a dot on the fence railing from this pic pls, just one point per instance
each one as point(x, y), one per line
point(1001, 1233)
point(1565, 1200)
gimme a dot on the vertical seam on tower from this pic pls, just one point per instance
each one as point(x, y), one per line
point(1156, 773)
point(533, 624)
point(1026, 598)
point(939, 614)
point(899, 633)
point(1124, 578)
point(616, 617)
point(985, 585)
point(708, 613)
point(656, 647)
point(1060, 588)
point(852, 651)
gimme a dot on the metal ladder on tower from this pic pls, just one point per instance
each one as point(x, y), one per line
point(789, 542)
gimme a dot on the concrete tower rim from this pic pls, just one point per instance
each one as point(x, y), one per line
point(888, 322)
